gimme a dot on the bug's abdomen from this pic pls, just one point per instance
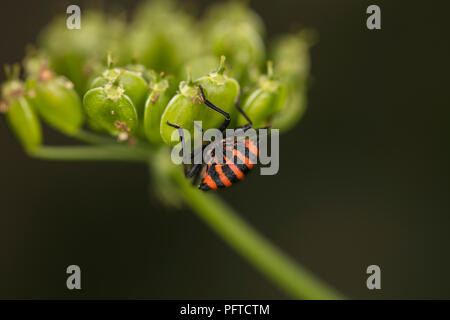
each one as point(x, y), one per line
point(223, 175)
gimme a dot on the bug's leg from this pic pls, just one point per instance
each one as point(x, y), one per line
point(215, 108)
point(196, 166)
point(193, 171)
point(183, 147)
point(238, 107)
point(197, 174)
point(188, 173)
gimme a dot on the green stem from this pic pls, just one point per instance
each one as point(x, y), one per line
point(294, 279)
point(95, 153)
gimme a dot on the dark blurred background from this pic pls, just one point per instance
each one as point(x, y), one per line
point(364, 177)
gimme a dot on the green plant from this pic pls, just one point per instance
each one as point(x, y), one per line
point(265, 101)
point(128, 105)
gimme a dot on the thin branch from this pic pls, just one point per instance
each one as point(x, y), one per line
point(94, 153)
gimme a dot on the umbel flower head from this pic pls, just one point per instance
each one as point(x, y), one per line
point(126, 81)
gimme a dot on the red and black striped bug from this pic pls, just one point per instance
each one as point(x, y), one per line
point(239, 154)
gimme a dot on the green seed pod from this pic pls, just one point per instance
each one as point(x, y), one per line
point(293, 110)
point(154, 107)
point(199, 66)
point(244, 47)
point(264, 102)
point(234, 12)
point(20, 115)
point(187, 107)
point(56, 101)
point(141, 70)
point(132, 82)
point(293, 64)
point(221, 90)
point(163, 37)
point(183, 109)
point(236, 32)
point(110, 108)
point(70, 52)
point(25, 123)
point(291, 53)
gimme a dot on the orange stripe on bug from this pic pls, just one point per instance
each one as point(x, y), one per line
point(226, 182)
point(210, 182)
point(238, 154)
point(243, 158)
point(238, 173)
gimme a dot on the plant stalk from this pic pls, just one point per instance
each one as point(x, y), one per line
point(294, 279)
point(94, 153)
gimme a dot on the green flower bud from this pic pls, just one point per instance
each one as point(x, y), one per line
point(264, 102)
point(236, 32)
point(20, 115)
point(183, 109)
point(154, 107)
point(110, 108)
point(199, 66)
point(291, 53)
point(293, 110)
point(56, 101)
point(163, 37)
point(221, 90)
point(187, 107)
point(134, 85)
point(141, 70)
point(24, 123)
point(234, 12)
point(72, 52)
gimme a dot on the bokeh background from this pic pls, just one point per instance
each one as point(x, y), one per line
point(364, 177)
